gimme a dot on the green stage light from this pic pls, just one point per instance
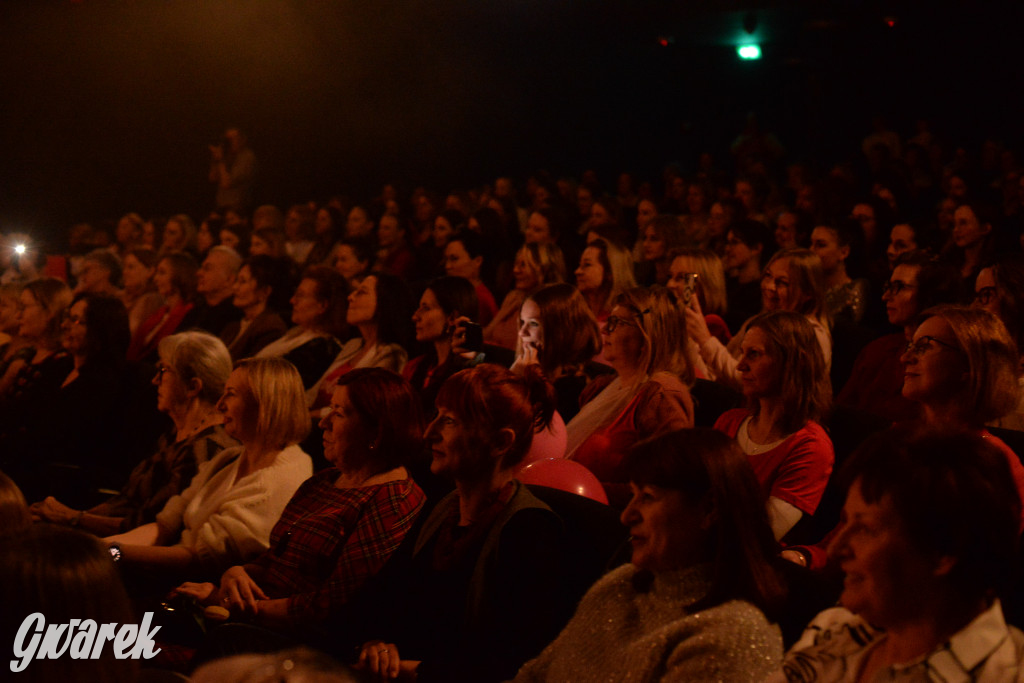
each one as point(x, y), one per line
point(749, 51)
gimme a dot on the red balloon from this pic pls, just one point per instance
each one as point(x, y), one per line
point(565, 475)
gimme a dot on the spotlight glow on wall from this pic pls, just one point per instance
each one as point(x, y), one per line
point(749, 52)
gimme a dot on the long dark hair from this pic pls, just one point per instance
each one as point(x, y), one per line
point(705, 465)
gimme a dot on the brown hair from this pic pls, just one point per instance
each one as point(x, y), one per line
point(276, 387)
point(389, 408)
point(63, 574)
point(489, 398)
point(707, 466)
point(663, 325)
point(805, 387)
point(992, 390)
point(570, 330)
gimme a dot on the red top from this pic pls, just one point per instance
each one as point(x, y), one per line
point(329, 541)
point(797, 470)
point(876, 381)
point(154, 328)
point(661, 405)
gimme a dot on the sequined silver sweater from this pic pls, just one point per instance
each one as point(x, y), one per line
point(620, 633)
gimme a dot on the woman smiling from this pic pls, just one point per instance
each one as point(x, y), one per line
point(929, 538)
point(689, 605)
point(225, 515)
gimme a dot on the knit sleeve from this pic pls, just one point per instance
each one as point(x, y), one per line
point(730, 642)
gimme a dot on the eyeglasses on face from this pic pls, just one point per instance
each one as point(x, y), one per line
point(894, 287)
point(985, 295)
point(614, 321)
point(922, 345)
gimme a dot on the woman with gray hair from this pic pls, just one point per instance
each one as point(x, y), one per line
point(225, 515)
point(193, 368)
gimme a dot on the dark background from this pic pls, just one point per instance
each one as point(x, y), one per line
point(108, 106)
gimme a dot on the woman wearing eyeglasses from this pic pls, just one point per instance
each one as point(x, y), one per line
point(960, 369)
point(645, 342)
point(193, 369)
point(999, 289)
point(792, 281)
point(876, 381)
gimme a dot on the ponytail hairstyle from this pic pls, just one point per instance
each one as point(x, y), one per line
point(489, 399)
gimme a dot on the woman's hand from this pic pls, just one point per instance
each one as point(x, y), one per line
point(52, 510)
point(239, 592)
point(527, 356)
point(459, 337)
point(382, 662)
point(696, 326)
point(205, 593)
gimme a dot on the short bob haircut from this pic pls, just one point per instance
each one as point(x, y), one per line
point(282, 418)
point(991, 389)
point(708, 467)
point(710, 278)
point(547, 259)
point(804, 384)
point(107, 334)
point(183, 273)
point(64, 574)
point(618, 269)
point(571, 333)
point(198, 356)
point(663, 325)
point(390, 410)
point(488, 398)
point(806, 281)
point(332, 290)
point(954, 495)
point(55, 297)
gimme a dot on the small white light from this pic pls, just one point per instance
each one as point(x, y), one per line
point(19, 249)
point(749, 51)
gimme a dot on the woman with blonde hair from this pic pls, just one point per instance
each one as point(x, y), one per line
point(180, 234)
point(700, 272)
point(788, 393)
point(605, 271)
point(645, 342)
point(792, 281)
point(536, 264)
point(225, 516)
